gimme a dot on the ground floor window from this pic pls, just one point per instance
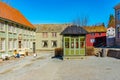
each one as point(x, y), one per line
point(67, 42)
point(19, 44)
point(31, 44)
point(2, 44)
point(10, 45)
point(82, 42)
point(27, 43)
point(15, 44)
point(44, 43)
point(54, 43)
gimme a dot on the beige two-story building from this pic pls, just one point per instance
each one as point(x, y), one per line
point(48, 36)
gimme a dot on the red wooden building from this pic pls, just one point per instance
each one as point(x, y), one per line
point(96, 36)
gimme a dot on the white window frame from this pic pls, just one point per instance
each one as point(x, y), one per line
point(3, 44)
point(10, 44)
point(2, 27)
point(15, 29)
point(31, 44)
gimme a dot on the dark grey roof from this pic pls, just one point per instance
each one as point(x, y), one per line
point(74, 30)
point(117, 6)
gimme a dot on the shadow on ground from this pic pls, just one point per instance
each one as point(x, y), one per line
point(57, 57)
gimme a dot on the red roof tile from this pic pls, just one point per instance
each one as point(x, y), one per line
point(7, 12)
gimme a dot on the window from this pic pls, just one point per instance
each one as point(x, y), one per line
point(2, 44)
point(92, 34)
point(10, 28)
point(77, 41)
point(118, 32)
point(45, 34)
point(10, 44)
point(25, 44)
point(20, 31)
point(15, 44)
point(72, 42)
point(92, 40)
point(2, 27)
point(67, 42)
point(118, 14)
point(31, 33)
point(54, 43)
point(44, 43)
point(54, 34)
point(82, 42)
point(31, 44)
point(14, 29)
point(99, 33)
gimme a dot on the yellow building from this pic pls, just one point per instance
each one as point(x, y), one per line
point(48, 36)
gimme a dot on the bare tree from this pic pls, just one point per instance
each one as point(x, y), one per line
point(80, 21)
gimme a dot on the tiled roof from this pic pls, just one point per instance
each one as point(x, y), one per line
point(50, 27)
point(9, 13)
point(95, 29)
point(74, 30)
point(117, 6)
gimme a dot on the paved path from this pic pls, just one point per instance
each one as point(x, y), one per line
point(45, 68)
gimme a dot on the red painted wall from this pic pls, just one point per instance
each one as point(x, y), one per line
point(100, 38)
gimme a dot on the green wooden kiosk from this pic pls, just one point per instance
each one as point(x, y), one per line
point(74, 41)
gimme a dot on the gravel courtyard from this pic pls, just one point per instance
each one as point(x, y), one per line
point(43, 67)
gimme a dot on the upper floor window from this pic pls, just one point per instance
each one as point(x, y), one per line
point(118, 32)
point(54, 34)
point(31, 33)
point(2, 27)
point(19, 31)
point(45, 34)
point(10, 28)
point(14, 29)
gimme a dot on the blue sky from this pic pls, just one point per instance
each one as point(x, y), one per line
point(65, 11)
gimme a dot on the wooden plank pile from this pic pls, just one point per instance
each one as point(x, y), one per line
point(114, 53)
